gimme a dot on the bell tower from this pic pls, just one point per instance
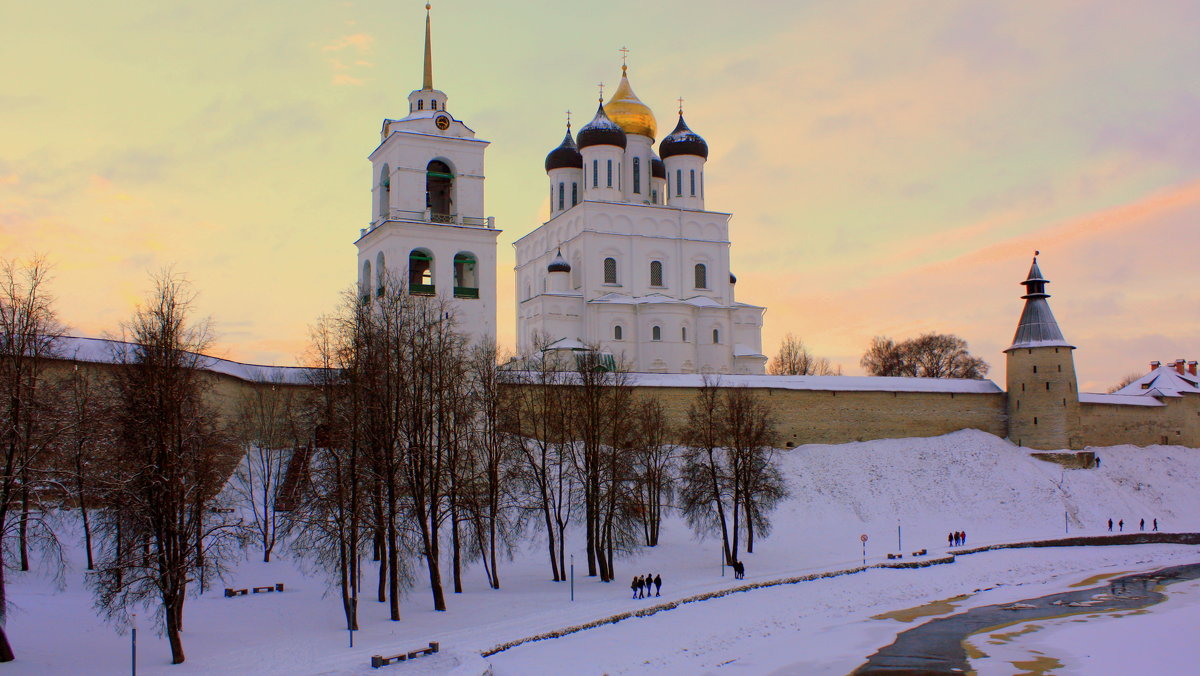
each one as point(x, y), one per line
point(428, 230)
point(1043, 392)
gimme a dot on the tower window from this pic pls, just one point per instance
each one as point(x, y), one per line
point(574, 193)
point(439, 182)
point(683, 334)
point(466, 277)
point(693, 181)
point(679, 183)
point(380, 273)
point(561, 196)
point(656, 273)
point(701, 276)
point(617, 332)
point(637, 175)
point(1047, 386)
point(610, 271)
point(385, 192)
point(1035, 368)
point(656, 333)
point(609, 173)
point(420, 104)
point(716, 336)
point(595, 173)
point(1035, 420)
point(420, 272)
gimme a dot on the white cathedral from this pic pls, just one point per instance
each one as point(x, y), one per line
point(629, 263)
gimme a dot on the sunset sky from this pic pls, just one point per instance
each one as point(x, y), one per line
point(891, 167)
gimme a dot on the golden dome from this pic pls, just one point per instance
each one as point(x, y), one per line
point(628, 111)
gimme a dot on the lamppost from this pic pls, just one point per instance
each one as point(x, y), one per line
point(133, 645)
point(572, 577)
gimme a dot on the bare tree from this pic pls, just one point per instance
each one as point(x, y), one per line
point(795, 359)
point(167, 463)
point(29, 423)
point(729, 474)
point(1129, 378)
point(653, 459)
point(267, 432)
point(538, 417)
point(930, 355)
point(87, 437)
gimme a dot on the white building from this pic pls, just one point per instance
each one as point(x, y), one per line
point(630, 260)
point(428, 229)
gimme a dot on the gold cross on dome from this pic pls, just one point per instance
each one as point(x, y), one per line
point(601, 85)
point(568, 118)
point(680, 99)
point(624, 55)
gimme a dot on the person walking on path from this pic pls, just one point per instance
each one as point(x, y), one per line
point(657, 585)
point(950, 540)
point(1110, 525)
point(1156, 524)
point(964, 536)
point(634, 586)
point(1121, 525)
point(1142, 525)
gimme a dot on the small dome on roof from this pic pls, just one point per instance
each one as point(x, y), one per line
point(683, 141)
point(601, 131)
point(732, 279)
point(658, 169)
point(559, 264)
point(566, 155)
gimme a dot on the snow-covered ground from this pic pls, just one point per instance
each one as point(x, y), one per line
point(963, 481)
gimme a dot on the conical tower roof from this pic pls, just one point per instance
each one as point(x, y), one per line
point(1037, 326)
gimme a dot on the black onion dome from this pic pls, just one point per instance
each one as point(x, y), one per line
point(559, 264)
point(732, 279)
point(683, 141)
point(566, 155)
point(601, 131)
point(658, 169)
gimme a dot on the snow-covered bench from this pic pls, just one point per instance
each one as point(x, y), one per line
point(230, 592)
point(381, 661)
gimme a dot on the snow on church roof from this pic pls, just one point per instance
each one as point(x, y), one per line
point(1118, 399)
point(1164, 381)
point(658, 298)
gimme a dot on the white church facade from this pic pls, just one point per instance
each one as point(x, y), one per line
point(630, 260)
point(429, 231)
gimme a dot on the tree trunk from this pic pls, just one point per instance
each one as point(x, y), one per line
point(24, 524)
point(455, 544)
point(173, 630)
point(6, 651)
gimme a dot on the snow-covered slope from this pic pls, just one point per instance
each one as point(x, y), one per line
point(963, 481)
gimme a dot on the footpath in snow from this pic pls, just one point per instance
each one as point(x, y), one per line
point(914, 490)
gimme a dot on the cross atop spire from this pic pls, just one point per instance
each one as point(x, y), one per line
point(680, 99)
point(624, 58)
point(568, 119)
point(427, 82)
point(601, 86)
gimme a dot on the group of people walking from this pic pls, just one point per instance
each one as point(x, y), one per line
point(642, 583)
point(956, 539)
point(1121, 525)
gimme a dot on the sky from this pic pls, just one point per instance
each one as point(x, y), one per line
point(890, 166)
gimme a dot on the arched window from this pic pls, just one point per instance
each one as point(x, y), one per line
point(433, 104)
point(683, 334)
point(716, 336)
point(656, 333)
point(420, 104)
point(701, 276)
point(617, 332)
point(385, 192)
point(380, 273)
point(574, 193)
point(466, 275)
point(656, 273)
point(439, 181)
point(420, 272)
point(609, 173)
point(562, 196)
point(610, 271)
point(679, 183)
point(693, 175)
point(637, 175)
point(365, 284)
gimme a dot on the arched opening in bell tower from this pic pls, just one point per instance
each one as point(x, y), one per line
point(420, 273)
point(466, 279)
point(385, 193)
point(439, 184)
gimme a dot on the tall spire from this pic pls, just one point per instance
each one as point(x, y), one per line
point(1037, 326)
point(427, 83)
